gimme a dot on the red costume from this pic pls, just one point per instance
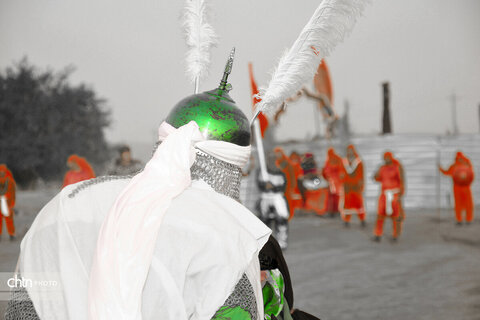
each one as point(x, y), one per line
point(296, 161)
point(389, 201)
point(7, 190)
point(334, 173)
point(83, 171)
point(292, 193)
point(462, 175)
point(353, 185)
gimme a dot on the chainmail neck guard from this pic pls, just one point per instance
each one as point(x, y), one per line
point(223, 177)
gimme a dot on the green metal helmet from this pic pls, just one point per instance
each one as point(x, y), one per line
point(215, 113)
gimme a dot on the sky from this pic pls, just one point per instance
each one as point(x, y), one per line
point(132, 54)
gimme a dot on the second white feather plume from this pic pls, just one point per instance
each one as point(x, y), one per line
point(332, 20)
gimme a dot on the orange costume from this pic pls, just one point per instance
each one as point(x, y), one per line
point(334, 173)
point(389, 201)
point(82, 170)
point(462, 175)
point(353, 185)
point(296, 161)
point(292, 193)
point(7, 192)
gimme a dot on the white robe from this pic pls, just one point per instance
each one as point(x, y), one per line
point(206, 242)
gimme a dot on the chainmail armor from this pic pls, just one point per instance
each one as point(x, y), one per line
point(243, 296)
point(20, 307)
point(223, 177)
point(87, 183)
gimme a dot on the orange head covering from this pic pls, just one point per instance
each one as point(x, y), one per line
point(332, 156)
point(295, 157)
point(388, 156)
point(461, 158)
point(279, 150)
point(351, 147)
point(82, 164)
point(8, 173)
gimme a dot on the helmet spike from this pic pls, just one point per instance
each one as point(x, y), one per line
point(224, 85)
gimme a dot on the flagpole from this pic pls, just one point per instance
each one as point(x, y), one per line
point(260, 151)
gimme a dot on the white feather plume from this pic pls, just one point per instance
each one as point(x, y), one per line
point(200, 38)
point(328, 26)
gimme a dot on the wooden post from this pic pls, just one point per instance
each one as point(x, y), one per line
point(386, 122)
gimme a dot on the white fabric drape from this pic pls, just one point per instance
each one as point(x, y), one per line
point(389, 196)
point(4, 206)
point(128, 234)
point(179, 261)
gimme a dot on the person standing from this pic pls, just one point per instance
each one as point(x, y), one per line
point(173, 242)
point(333, 172)
point(125, 165)
point(273, 206)
point(80, 170)
point(292, 192)
point(7, 200)
point(389, 201)
point(353, 184)
point(462, 175)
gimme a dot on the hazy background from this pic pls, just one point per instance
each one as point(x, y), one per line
point(132, 54)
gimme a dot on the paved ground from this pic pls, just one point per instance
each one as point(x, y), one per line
point(433, 272)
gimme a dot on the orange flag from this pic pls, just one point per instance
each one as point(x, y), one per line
point(261, 117)
point(322, 81)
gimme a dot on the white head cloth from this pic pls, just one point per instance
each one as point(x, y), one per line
point(127, 237)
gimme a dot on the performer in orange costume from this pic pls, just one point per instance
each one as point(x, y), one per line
point(462, 174)
point(296, 161)
point(80, 170)
point(7, 192)
point(292, 193)
point(389, 201)
point(334, 173)
point(353, 185)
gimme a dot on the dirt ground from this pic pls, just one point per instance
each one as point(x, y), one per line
point(432, 272)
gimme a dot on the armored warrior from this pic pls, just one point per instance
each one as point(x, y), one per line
point(173, 242)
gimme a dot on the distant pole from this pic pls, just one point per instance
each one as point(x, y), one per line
point(386, 123)
point(453, 98)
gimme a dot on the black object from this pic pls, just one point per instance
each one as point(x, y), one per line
point(301, 315)
point(271, 257)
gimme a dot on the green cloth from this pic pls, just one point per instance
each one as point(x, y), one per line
point(229, 313)
point(273, 294)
